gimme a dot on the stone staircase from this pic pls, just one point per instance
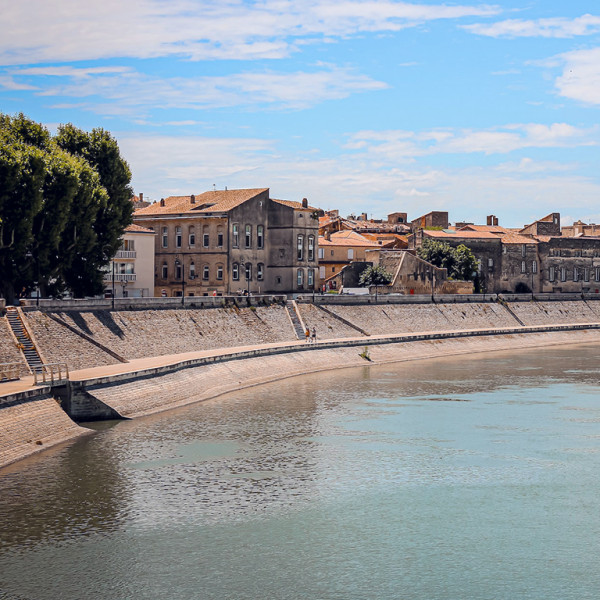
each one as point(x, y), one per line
point(26, 345)
point(295, 319)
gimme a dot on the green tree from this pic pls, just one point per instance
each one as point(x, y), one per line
point(460, 261)
point(63, 207)
point(374, 276)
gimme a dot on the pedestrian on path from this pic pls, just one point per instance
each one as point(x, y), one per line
point(314, 335)
point(307, 335)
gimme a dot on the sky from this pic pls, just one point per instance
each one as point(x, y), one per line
point(372, 106)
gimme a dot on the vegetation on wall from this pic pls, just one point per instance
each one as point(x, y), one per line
point(460, 261)
point(64, 203)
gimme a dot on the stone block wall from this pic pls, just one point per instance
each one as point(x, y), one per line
point(553, 312)
point(327, 327)
point(9, 353)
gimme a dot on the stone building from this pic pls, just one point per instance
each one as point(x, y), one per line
point(225, 241)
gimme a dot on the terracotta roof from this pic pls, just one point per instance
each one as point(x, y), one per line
point(461, 234)
point(295, 205)
point(137, 229)
point(217, 201)
point(515, 238)
point(489, 228)
point(347, 238)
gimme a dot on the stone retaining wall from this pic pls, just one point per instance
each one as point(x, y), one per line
point(9, 352)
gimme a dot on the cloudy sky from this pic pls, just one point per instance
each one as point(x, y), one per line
point(363, 105)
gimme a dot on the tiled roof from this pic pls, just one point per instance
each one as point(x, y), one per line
point(489, 228)
point(347, 238)
point(217, 201)
point(295, 205)
point(515, 238)
point(137, 229)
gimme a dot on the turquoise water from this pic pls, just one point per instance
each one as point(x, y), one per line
point(466, 478)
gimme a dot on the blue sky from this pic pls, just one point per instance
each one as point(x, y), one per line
point(367, 106)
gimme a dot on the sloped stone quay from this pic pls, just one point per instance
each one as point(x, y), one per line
point(135, 386)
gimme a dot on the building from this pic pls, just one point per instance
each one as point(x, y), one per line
point(229, 241)
point(339, 249)
point(130, 274)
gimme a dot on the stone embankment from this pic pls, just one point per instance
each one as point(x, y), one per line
point(102, 340)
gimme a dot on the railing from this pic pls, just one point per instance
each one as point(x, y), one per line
point(120, 276)
point(10, 371)
point(125, 254)
point(51, 373)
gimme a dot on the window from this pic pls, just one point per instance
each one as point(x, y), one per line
point(311, 247)
point(311, 278)
point(248, 271)
point(177, 270)
point(220, 272)
point(551, 274)
point(350, 253)
point(165, 237)
point(534, 266)
point(586, 274)
point(165, 271)
point(192, 271)
point(523, 250)
point(597, 275)
point(192, 236)
point(563, 274)
point(220, 239)
point(260, 271)
point(322, 272)
point(575, 274)
point(236, 235)
point(300, 253)
point(490, 262)
point(260, 236)
point(321, 253)
point(523, 267)
point(248, 236)
point(503, 248)
point(300, 278)
point(205, 240)
point(178, 237)
point(235, 272)
point(205, 272)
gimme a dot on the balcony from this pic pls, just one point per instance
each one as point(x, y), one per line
point(120, 277)
point(125, 254)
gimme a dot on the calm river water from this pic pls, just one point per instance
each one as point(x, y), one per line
point(464, 478)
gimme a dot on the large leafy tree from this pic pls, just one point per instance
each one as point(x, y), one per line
point(460, 261)
point(64, 203)
point(374, 276)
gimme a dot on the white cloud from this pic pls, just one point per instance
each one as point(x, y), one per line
point(123, 90)
point(399, 145)
point(580, 79)
point(558, 27)
point(516, 192)
point(36, 31)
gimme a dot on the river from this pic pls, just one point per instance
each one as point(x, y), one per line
point(473, 477)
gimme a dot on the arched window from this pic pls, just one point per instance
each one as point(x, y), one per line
point(300, 278)
point(220, 272)
point(205, 273)
point(248, 236)
point(235, 235)
point(235, 272)
point(260, 236)
point(165, 237)
point(248, 271)
point(311, 278)
point(192, 236)
point(178, 236)
point(192, 270)
point(260, 272)
point(300, 247)
point(165, 271)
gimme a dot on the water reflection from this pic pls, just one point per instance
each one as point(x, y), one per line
point(308, 482)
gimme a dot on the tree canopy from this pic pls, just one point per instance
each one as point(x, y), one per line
point(64, 203)
point(374, 276)
point(460, 261)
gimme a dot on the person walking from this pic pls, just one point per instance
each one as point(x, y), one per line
point(314, 335)
point(307, 335)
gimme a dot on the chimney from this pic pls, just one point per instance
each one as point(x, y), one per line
point(327, 235)
point(364, 217)
point(193, 199)
point(490, 220)
point(495, 222)
point(141, 196)
point(304, 203)
point(162, 201)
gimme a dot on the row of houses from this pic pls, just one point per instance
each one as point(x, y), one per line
point(238, 241)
